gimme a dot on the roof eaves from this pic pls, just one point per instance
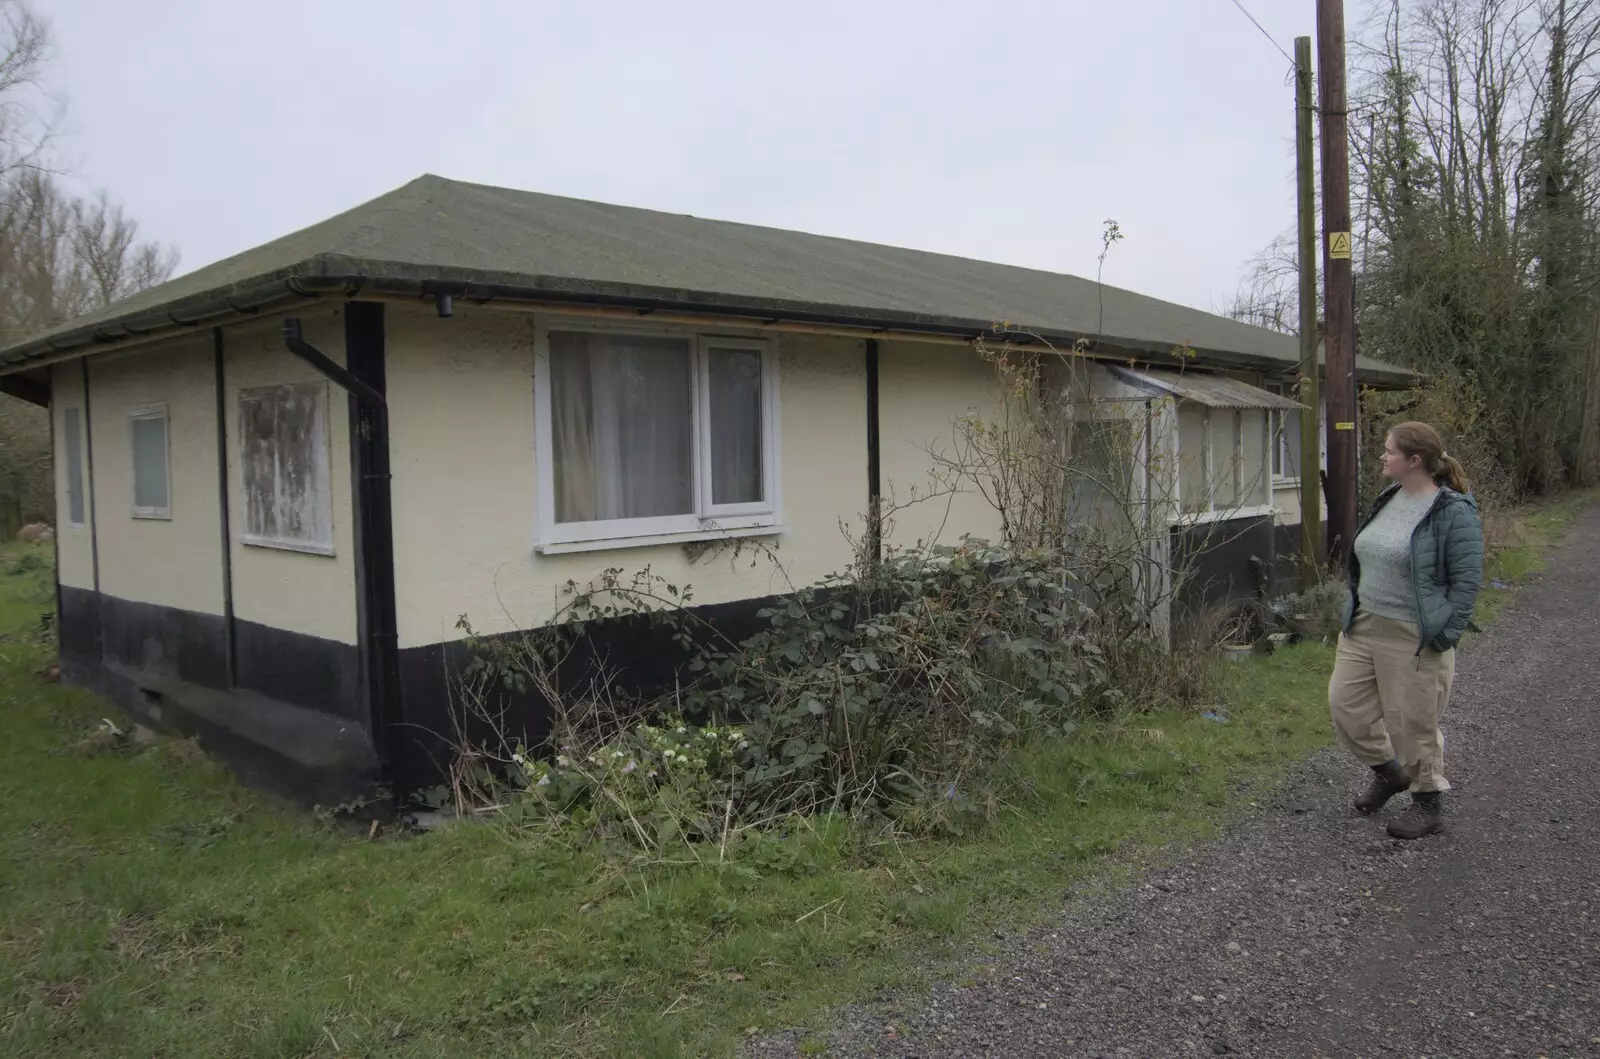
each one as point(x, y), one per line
point(350, 276)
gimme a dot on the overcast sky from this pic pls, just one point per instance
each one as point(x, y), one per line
point(997, 129)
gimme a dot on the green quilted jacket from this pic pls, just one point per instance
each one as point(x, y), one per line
point(1446, 568)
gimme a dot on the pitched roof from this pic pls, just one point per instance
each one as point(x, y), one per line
point(482, 241)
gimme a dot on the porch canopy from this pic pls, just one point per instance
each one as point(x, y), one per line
point(1213, 391)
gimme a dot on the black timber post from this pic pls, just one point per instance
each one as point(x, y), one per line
point(376, 619)
point(224, 503)
point(58, 494)
point(94, 511)
point(874, 466)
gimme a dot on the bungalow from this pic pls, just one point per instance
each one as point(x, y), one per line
point(284, 478)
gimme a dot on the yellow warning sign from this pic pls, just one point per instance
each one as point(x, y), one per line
point(1344, 426)
point(1339, 246)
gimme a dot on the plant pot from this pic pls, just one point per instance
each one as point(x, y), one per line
point(1237, 652)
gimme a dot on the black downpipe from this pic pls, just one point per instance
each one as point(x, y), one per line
point(224, 501)
point(376, 622)
point(874, 464)
point(329, 368)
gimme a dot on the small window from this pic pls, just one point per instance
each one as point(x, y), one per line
point(1223, 458)
point(152, 487)
point(72, 450)
point(283, 453)
point(1286, 440)
point(735, 444)
point(1194, 474)
point(654, 435)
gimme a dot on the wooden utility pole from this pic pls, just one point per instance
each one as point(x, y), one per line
point(1338, 300)
point(1310, 468)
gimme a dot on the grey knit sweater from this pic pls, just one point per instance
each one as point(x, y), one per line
point(1384, 550)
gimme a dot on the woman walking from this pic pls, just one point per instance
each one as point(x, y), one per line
point(1415, 572)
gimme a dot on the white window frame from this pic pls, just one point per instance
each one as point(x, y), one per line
point(82, 469)
point(1280, 440)
point(708, 521)
point(155, 411)
point(1212, 513)
point(258, 540)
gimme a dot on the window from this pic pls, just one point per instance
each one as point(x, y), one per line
point(283, 453)
point(1286, 439)
point(72, 429)
point(1222, 460)
point(152, 489)
point(1102, 486)
point(654, 434)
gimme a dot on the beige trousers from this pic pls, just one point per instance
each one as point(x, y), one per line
point(1386, 700)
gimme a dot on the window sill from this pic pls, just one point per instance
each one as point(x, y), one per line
point(1204, 518)
point(286, 546)
point(689, 537)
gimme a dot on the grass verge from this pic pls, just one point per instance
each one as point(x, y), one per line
point(155, 907)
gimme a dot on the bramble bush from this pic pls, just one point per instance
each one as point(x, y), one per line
point(888, 695)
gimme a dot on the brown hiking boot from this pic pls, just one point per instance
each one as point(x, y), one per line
point(1388, 780)
point(1425, 816)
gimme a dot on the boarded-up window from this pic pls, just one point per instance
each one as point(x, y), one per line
point(72, 429)
point(283, 446)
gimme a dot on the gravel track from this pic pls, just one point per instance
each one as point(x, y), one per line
point(1306, 931)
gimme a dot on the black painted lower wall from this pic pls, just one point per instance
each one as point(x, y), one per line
point(303, 678)
point(308, 671)
point(639, 656)
point(137, 654)
point(1226, 564)
point(291, 720)
point(165, 641)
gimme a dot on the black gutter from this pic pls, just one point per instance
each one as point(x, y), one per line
point(224, 502)
point(874, 465)
point(479, 288)
point(376, 616)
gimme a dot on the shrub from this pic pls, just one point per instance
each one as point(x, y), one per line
point(874, 696)
point(888, 696)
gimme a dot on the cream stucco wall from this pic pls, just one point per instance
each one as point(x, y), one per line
point(75, 544)
point(174, 562)
point(923, 389)
point(310, 594)
point(461, 402)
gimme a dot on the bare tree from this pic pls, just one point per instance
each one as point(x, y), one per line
point(24, 128)
point(61, 255)
point(1269, 295)
point(1476, 162)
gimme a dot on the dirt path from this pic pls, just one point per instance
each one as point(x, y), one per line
point(1307, 932)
